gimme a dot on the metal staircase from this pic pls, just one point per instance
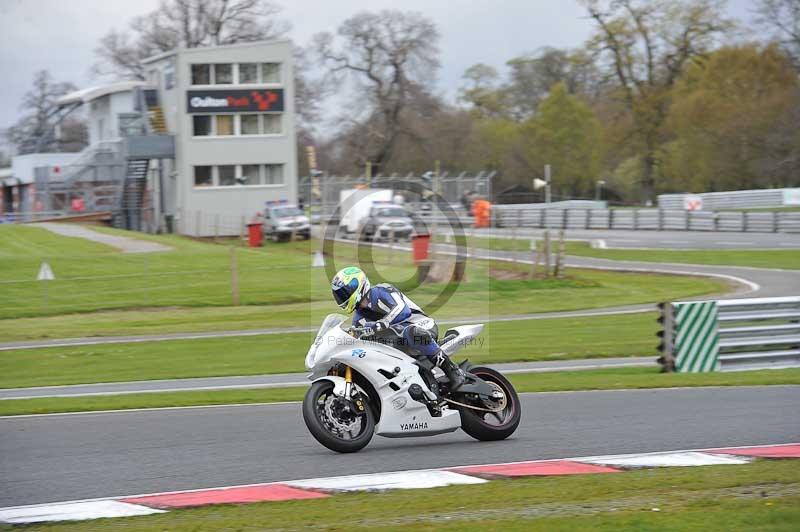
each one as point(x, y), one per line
point(133, 192)
point(111, 176)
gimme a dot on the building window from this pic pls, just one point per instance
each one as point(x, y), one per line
point(202, 176)
point(270, 73)
point(273, 174)
point(250, 174)
point(223, 74)
point(227, 175)
point(249, 124)
point(202, 125)
point(245, 73)
point(224, 124)
point(231, 175)
point(248, 73)
point(201, 74)
point(272, 124)
point(237, 124)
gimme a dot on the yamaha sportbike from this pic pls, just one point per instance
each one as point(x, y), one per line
point(362, 387)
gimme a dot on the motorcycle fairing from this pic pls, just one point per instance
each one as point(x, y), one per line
point(401, 416)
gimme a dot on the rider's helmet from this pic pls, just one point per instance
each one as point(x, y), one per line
point(348, 286)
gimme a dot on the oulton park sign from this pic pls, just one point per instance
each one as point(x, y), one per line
point(257, 100)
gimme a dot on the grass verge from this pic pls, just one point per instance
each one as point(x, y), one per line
point(763, 495)
point(104, 292)
point(607, 379)
point(757, 258)
point(512, 341)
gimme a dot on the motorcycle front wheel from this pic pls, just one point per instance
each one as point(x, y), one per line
point(331, 421)
point(498, 425)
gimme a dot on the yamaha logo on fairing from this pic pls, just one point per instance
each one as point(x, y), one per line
point(413, 426)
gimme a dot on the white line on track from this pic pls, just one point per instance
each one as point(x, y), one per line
point(153, 381)
point(285, 384)
point(133, 339)
point(165, 390)
point(151, 409)
point(753, 287)
point(279, 403)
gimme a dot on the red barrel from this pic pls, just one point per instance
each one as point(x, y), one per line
point(419, 246)
point(255, 234)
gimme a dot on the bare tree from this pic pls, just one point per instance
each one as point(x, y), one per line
point(187, 24)
point(40, 129)
point(782, 18)
point(389, 54)
point(647, 44)
point(309, 91)
point(533, 75)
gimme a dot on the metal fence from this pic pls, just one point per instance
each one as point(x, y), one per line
point(326, 191)
point(730, 335)
point(734, 199)
point(646, 219)
point(759, 333)
point(208, 224)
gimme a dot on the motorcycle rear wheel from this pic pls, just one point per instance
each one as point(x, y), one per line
point(491, 426)
point(325, 430)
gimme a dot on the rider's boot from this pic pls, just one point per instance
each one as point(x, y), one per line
point(455, 375)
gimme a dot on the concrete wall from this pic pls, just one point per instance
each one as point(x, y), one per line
point(233, 202)
point(104, 115)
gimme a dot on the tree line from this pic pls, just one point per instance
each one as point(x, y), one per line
point(664, 96)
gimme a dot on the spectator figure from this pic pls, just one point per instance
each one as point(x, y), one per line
point(482, 210)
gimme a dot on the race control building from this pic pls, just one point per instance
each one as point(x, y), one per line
point(197, 148)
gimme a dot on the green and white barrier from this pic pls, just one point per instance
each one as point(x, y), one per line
point(690, 336)
point(696, 337)
point(730, 335)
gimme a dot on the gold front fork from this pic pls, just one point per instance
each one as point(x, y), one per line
point(348, 381)
point(348, 388)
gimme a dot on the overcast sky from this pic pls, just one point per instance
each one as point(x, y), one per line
point(60, 35)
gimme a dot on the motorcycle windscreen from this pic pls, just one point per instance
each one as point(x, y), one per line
point(330, 321)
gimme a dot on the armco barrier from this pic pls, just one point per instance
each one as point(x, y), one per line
point(645, 219)
point(732, 199)
point(730, 335)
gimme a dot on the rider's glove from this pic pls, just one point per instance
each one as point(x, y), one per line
point(379, 326)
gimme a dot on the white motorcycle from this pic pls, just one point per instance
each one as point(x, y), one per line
point(362, 387)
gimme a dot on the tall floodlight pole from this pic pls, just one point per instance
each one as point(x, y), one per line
point(547, 180)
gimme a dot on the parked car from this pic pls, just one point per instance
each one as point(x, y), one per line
point(281, 221)
point(387, 221)
point(355, 206)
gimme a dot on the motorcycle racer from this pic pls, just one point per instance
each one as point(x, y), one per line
point(382, 308)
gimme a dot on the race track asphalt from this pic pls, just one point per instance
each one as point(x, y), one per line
point(68, 457)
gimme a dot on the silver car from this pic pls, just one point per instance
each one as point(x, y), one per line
point(387, 222)
point(282, 221)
